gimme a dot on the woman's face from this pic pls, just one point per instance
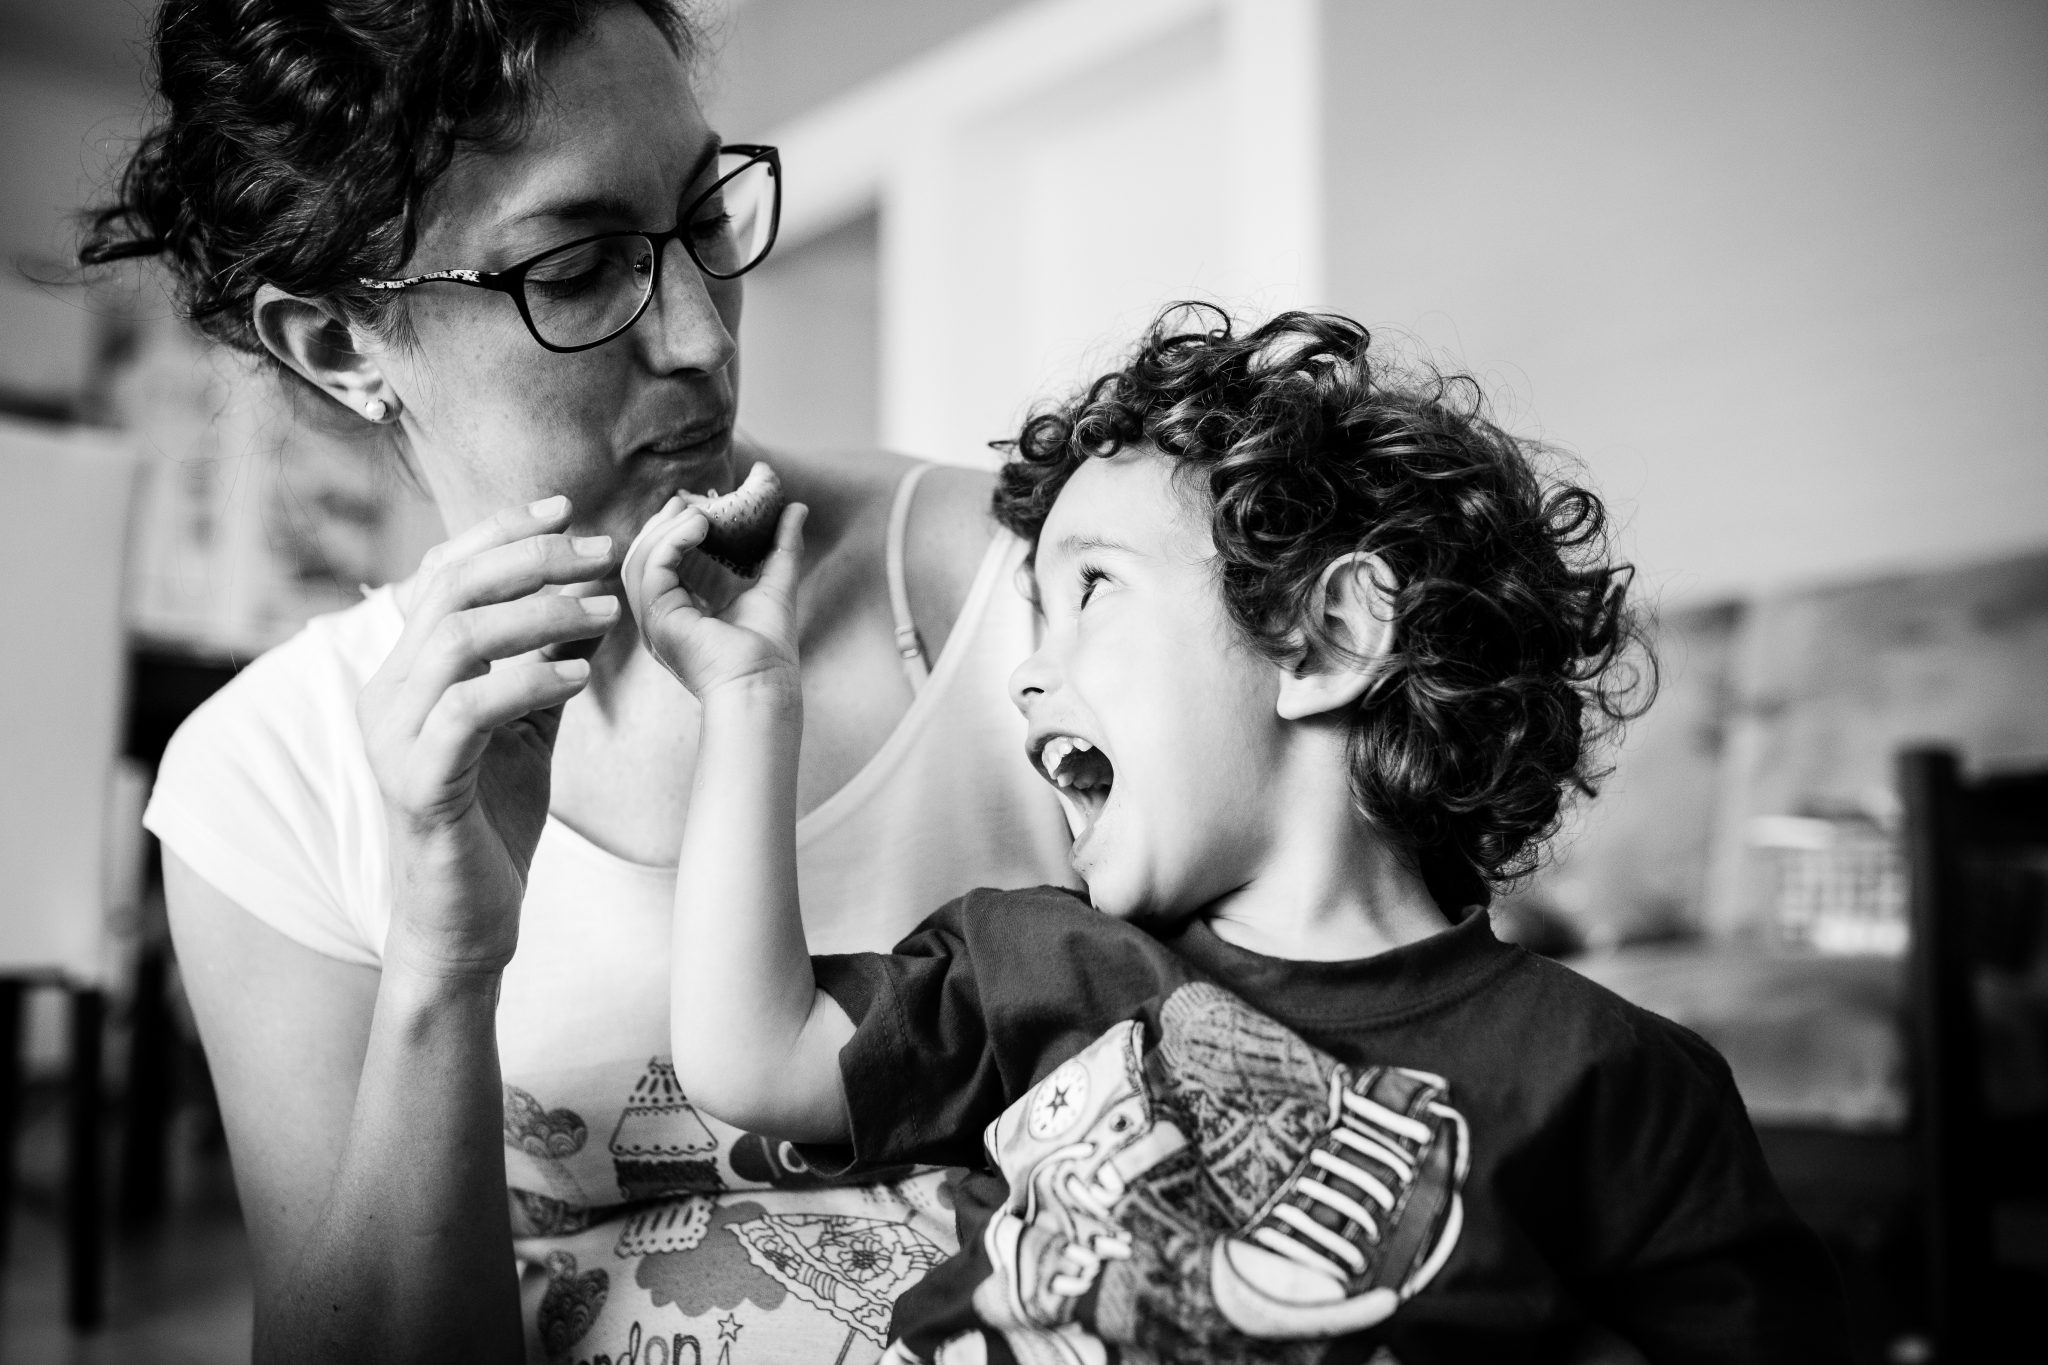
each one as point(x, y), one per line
point(491, 418)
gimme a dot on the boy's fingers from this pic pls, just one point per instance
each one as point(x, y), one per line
point(780, 571)
point(652, 527)
point(660, 545)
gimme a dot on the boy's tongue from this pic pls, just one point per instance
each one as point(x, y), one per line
point(1083, 807)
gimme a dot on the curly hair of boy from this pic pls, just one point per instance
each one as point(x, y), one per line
point(1518, 653)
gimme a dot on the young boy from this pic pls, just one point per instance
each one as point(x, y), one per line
point(1321, 655)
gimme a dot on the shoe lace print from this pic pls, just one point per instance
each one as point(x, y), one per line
point(1367, 1142)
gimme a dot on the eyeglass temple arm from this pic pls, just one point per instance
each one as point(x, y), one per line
point(476, 277)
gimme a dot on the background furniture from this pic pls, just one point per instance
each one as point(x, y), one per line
point(1858, 1070)
point(1978, 857)
point(69, 825)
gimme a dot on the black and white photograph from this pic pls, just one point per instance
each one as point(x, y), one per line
point(1024, 682)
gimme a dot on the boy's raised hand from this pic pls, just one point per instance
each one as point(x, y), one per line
point(752, 640)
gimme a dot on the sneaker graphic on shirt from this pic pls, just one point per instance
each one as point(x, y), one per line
point(1368, 1216)
point(1159, 1196)
point(1072, 1148)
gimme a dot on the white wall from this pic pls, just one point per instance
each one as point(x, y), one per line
point(1777, 272)
point(1044, 183)
point(60, 131)
point(809, 372)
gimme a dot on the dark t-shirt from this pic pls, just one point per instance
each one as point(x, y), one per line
point(1450, 1151)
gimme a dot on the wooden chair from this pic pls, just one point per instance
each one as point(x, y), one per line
point(1968, 843)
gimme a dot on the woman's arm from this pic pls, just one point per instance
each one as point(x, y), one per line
point(365, 1104)
point(364, 1112)
point(755, 1042)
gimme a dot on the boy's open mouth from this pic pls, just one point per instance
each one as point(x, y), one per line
point(1082, 775)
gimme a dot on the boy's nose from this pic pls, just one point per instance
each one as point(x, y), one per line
point(1030, 681)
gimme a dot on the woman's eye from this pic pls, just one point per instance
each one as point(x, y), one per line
point(712, 224)
point(569, 273)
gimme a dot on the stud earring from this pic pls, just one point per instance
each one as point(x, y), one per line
point(376, 409)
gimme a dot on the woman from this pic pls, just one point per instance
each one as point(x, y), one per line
point(421, 903)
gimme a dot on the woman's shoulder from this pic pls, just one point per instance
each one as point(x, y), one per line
point(848, 487)
point(947, 533)
point(316, 672)
point(266, 793)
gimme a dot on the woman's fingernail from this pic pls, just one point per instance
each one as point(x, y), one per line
point(598, 606)
point(548, 507)
point(571, 670)
point(590, 545)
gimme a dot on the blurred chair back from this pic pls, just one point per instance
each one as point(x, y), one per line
point(63, 670)
point(1972, 848)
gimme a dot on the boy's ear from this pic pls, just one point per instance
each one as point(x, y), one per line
point(320, 348)
point(1354, 600)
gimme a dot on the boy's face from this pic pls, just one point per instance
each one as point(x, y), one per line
point(1169, 802)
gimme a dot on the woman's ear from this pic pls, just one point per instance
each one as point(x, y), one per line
point(318, 346)
point(1354, 598)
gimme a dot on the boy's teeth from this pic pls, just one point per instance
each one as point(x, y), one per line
point(1081, 744)
point(1053, 754)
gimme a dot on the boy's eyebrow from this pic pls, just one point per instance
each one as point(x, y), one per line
point(1082, 544)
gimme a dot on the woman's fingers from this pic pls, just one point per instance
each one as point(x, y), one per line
point(500, 528)
point(459, 726)
point(464, 645)
point(499, 573)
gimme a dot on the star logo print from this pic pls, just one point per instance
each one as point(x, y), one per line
point(1057, 1104)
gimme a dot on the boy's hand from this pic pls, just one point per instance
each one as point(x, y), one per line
point(752, 640)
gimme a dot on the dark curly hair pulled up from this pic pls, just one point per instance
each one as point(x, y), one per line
point(1515, 650)
point(297, 138)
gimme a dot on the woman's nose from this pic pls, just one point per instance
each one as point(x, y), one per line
point(688, 327)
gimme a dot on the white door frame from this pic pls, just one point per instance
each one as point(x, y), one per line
point(888, 147)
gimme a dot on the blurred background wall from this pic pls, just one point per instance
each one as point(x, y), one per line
point(1775, 273)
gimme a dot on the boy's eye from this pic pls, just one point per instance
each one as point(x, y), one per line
point(1089, 579)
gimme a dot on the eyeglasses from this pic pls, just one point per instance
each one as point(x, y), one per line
point(583, 293)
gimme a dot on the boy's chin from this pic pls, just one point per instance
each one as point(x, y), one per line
point(1133, 909)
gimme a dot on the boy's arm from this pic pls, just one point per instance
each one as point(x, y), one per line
point(755, 1042)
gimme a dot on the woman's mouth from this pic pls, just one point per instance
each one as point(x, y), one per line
point(688, 440)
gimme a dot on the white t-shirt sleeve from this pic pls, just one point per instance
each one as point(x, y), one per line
point(267, 794)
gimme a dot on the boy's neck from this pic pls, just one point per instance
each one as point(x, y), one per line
point(1330, 889)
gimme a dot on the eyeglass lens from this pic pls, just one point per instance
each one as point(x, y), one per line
point(588, 291)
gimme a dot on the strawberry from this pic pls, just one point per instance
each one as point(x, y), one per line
point(742, 521)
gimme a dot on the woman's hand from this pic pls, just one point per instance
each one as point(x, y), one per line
point(460, 725)
point(751, 641)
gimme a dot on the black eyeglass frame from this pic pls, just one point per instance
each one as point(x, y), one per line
point(512, 279)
